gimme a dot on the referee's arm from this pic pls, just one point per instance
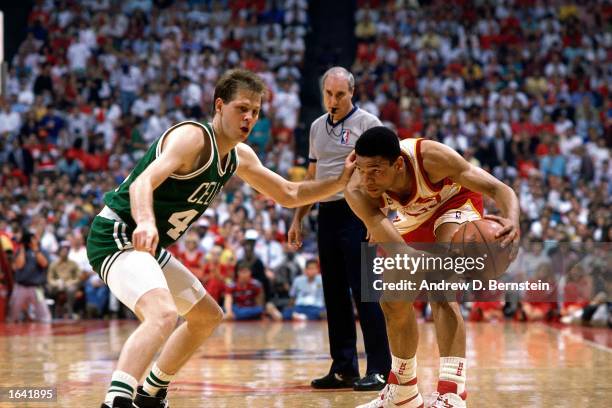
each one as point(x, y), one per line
point(294, 236)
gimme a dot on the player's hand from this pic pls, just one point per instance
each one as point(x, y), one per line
point(509, 234)
point(349, 167)
point(145, 237)
point(294, 236)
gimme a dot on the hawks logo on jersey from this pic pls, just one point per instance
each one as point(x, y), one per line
point(421, 205)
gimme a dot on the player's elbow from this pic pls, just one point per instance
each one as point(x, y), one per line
point(351, 196)
point(503, 192)
point(356, 205)
point(288, 197)
point(291, 200)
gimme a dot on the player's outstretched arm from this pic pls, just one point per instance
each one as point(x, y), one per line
point(294, 235)
point(181, 148)
point(441, 161)
point(286, 193)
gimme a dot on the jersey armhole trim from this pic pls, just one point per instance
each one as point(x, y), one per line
point(201, 169)
point(233, 170)
point(382, 202)
point(221, 171)
point(433, 187)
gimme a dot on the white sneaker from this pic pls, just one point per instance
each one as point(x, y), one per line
point(379, 401)
point(395, 395)
point(448, 400)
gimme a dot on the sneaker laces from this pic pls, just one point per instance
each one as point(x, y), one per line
point(439, 401)
point(378, 401)
point(391, 392)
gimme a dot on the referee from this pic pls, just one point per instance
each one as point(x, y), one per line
point(340, 233)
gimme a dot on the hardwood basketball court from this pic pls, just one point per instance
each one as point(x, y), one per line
point(265, 364)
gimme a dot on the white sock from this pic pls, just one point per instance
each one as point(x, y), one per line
point(403, 383)
point(156, 380)
point(452, 370)
point(404, 369)
point(122, 385)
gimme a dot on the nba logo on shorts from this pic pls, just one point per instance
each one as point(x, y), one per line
point(458, 215)
point(344, 136)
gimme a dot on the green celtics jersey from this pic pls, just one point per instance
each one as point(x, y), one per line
point(180, 199)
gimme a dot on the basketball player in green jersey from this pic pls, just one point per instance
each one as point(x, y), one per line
point(170, 187)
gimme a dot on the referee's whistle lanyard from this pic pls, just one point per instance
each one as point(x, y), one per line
point(330, 126)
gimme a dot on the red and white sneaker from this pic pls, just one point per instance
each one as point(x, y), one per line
point(447, 397)
point(448, 400)
point(397, 395)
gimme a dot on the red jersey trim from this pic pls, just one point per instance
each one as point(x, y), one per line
point(433, 187)
point(414, 179)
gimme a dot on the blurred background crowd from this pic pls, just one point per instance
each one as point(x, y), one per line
point(520, 88)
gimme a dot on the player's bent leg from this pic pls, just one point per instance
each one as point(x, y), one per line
point(199, 324)
point(450, 328)
point(402, 328)
point(138, 282)
point(403, 333)
point(450, 333)
point(202, 315)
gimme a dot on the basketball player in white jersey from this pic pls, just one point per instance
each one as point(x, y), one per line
point(434, 190)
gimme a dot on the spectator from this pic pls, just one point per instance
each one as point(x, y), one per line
point(540, 305)
point(287, 105)
point(258, 271)
point(244, 298)
point(216, 274)
point(96, 296)
point(577, 291)
point(283, 278)
point(306, 295)
point(192, 257)
point(63, 282)
point(30, 266)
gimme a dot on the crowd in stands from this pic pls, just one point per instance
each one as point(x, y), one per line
point(520, 88)
point(92, 85)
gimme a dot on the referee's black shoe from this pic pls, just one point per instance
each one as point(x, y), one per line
point(334, 380)
point(371, 382)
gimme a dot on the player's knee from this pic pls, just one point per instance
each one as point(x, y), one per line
point(212, 316)
point(216, 316)
point(445, 307)
point(206, 314)
point(165, 319)
point(396, 310)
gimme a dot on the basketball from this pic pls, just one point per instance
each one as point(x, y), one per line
point(477, 239)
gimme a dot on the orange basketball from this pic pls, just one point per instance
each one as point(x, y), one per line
point(476, 239)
